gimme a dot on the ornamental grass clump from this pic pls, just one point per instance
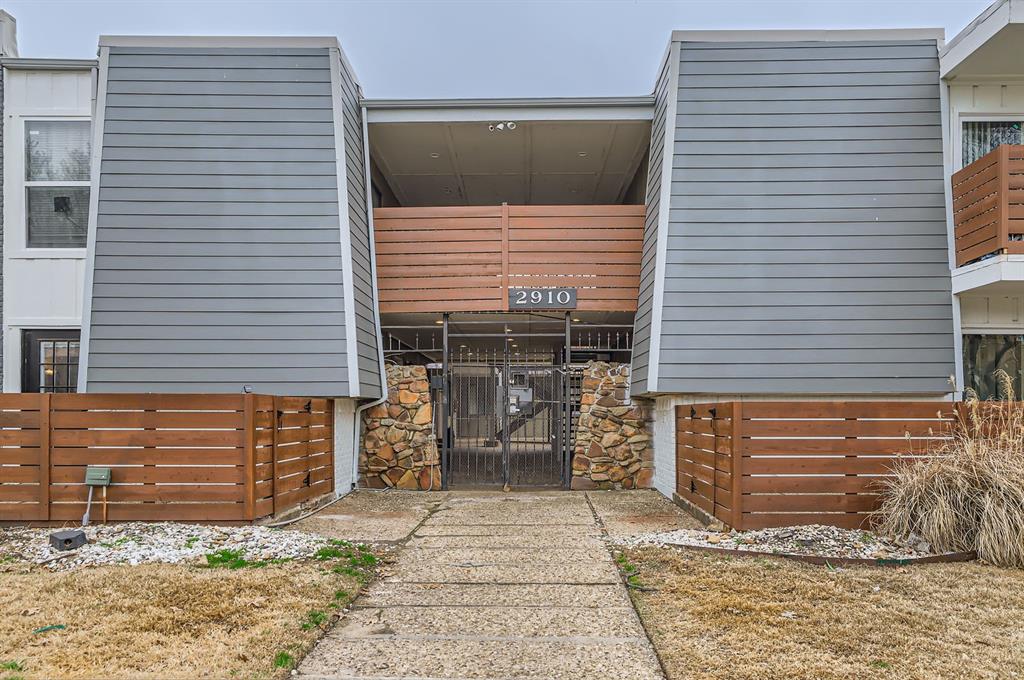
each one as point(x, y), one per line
point(967, 492)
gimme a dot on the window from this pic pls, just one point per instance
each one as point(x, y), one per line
point(986, 359)
point(57, 157)
point(49, 361)
point(980, 137)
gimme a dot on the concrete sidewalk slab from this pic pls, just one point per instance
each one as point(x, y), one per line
point(490, 586)
point(552, 555)
point(525, 622)
point(583, 658)
point(389, 594)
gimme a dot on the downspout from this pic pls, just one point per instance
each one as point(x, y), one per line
point(376, 305)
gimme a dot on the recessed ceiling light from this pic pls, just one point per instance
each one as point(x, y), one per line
point(576, 320)
point(439, 322)
point(581, 154)
point(434, 154)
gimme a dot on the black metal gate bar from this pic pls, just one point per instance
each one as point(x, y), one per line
point(445, 401)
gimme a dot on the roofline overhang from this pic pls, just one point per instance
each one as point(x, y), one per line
point(995, 18)
point(810, 35)
point(519, 109)
point(185, 41)
point(33, 64)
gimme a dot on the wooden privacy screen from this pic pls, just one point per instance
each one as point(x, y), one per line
point(464, 259)
point(761, 464)
point(988, 205)
point(173, 457)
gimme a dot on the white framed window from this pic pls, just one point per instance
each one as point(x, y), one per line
point(56, 160)
point(980, 134)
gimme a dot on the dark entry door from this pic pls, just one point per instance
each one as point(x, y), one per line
point(49, 360)
point(508, 421)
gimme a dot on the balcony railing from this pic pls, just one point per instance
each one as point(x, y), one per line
point(988, 205)
point(466, 259)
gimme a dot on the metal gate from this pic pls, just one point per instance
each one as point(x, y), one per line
point(508, 419)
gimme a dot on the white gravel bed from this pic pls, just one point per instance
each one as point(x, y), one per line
point(811, 540)
point(139, 542)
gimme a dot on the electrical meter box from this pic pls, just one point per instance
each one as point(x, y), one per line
point(97, 476)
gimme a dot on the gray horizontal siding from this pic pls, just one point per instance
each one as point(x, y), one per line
point(217, 262)
point(807, 247)
point(640, 369)
point(367, 336)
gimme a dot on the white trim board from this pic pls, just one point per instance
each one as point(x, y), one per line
point(99, 109)
point(664, 213)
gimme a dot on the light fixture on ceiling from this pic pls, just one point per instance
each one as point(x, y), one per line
point(576, 320)
point(434, 154)
point(581, 154)
point(502, 126)
point(439, 322)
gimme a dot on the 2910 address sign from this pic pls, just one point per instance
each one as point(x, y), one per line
point(542, 298)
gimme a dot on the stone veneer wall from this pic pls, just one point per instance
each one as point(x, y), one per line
point(399, 447)
point(613, 448)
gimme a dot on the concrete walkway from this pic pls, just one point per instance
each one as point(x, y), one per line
point(493, 585)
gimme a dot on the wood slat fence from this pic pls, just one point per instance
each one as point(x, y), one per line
point(753, 465)
point(465, 259)
point(988, 205)
point(172, 457)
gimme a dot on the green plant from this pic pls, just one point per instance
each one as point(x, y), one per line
point(330, 553)
point(880, 664)
point(191, 541)
point(284, 660)
point(314, 619)
point(232, 559)
point(12, 666)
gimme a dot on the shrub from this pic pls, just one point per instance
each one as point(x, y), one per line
point(967, 493)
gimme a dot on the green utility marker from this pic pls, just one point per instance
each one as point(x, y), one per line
point(94, 476)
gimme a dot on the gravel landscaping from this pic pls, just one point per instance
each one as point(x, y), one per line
point(144, 543)
point(811, 540)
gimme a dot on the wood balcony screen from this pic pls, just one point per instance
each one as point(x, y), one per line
point(465, 259)
point(988, 205)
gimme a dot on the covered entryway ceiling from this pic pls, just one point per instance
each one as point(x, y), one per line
point(552, 162)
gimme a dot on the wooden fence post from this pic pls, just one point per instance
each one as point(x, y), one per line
point(45, 457)
point(504, 256)
point(275, 423)
point(737, 465)
point(250, 456)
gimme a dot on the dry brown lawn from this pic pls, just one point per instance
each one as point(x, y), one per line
point(163, 621)
point(714, 617)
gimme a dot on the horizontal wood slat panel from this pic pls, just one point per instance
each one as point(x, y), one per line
point(439, 259)
point(988, 206)
point(172, 457)
point(763, 464)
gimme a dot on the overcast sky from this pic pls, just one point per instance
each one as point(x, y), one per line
point(482, 48)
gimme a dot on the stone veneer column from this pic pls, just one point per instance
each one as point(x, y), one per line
point(613, 440)
point(399, 448)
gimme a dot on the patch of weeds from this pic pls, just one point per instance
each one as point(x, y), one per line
point(314, 619)
point(284, 660)
point(330, 553)
point(232, 559)
point(191, 541)
point(12, 666)
point(355, 560)
point(878, 663)
point(629, 570)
